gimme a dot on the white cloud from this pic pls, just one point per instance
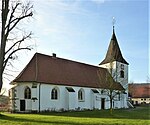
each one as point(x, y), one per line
point(52, 14)
point(62, 25)
point(54, 18)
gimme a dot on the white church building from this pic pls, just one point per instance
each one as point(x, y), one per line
point(50, 83)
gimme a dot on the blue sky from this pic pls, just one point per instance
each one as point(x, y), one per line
point(80, 30)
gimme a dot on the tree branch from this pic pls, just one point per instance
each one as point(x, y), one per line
point(17, 20)
point(10, 55)
point(11, 16)
point(8, 74)
point(19, 42)
point(7, 79)
point(23, 15)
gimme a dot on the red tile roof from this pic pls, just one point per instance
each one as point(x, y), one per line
point(53, 70)
point(139, 90)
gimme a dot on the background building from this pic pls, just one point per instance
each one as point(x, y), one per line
point(139, 93)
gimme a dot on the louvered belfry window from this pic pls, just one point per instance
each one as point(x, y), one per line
point(121, 74)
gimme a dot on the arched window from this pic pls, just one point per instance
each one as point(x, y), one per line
point(122, 66)
point(81, 95)
point(54, 93)
point(27, 93)
point(121, 74)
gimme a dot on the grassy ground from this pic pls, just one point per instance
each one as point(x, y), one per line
point(137, 116)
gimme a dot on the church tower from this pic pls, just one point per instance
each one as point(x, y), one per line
point(115, 63)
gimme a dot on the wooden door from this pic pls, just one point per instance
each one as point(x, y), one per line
point(22, 105)
point(103, 103)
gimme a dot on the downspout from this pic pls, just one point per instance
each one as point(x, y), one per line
point(39, 96)
point(36, 79)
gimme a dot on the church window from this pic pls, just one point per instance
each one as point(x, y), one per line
point(121, 74)
point(122, 67)
point(27, 93)
point(81, 95)
point(54, 94)
point(102, 91)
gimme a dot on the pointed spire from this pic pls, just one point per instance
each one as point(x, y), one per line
point(113, 34)
point(114, 52)
point(113, 29)
point(113, 23)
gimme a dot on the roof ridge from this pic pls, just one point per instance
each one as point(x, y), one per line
point(70, 60)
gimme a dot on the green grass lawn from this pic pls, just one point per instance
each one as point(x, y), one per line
point(137, 116)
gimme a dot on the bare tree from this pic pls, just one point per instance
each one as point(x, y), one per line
point(12, 14)
point(131, 89)
point(114, 88)
point(148, 79)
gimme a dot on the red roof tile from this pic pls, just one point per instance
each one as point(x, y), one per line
point(54, 70)
point(139, 90)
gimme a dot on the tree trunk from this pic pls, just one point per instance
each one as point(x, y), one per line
point(111, 103)
point(4, 13)
point(1, 82)
point(2, 55)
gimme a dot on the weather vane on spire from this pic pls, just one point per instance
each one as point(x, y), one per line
point(113, 22)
